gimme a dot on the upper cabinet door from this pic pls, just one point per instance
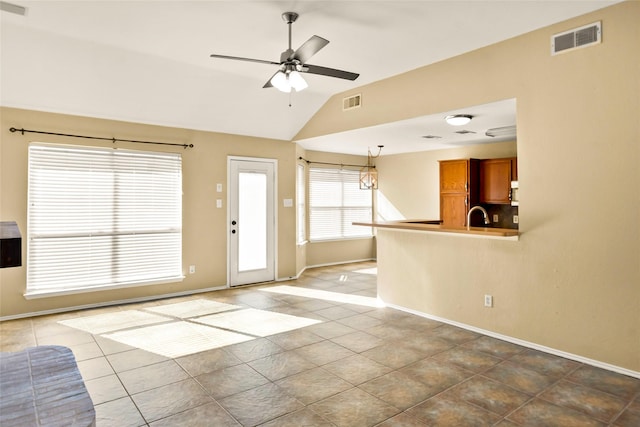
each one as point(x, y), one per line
point(495, 181)
point(454, 176)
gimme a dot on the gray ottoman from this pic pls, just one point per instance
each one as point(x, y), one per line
point(42, 386)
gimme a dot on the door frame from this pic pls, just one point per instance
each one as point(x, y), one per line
point(273, 162)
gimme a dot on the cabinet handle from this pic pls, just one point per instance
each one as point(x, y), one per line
point(466, 201)
point(466, 186)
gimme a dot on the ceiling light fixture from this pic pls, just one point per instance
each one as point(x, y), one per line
point(458, 119)
point(286, 80)
point(505, 131)
point(368, 174)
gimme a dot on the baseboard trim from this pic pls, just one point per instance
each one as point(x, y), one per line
point(523, 343)
point(338, 263)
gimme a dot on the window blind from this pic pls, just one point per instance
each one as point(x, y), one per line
point(335, 201)
point(102, 217)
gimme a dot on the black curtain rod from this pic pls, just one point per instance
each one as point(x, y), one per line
point(113, 140)
point(334, 164)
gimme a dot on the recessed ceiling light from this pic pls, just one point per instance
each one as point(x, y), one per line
point(431, 136)
point(458, 119)
point(464, 131)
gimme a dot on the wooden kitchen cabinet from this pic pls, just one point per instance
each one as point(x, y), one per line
point(458, 190)
point(495, 180)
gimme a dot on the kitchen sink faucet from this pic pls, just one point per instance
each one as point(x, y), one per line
point(484, 213)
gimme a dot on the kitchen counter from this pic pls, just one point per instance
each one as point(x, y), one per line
point(435, 226)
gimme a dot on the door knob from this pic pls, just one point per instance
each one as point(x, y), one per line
point(233, 231)
point(233, 222)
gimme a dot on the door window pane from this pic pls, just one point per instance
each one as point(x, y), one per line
point(252, 221)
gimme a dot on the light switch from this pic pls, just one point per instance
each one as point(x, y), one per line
point(219, 188)
point(287, 203)
point(218, 203)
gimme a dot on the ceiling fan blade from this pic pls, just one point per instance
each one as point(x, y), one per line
point(309, 48)
point(331, 72)
point(268, 83)
point(239, 58)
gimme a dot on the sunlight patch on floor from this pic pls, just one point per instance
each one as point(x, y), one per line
point(177, 339)
point(373, 271)
point(256, 322)
point(325, 295)
point(115, 321)
point(193, 308)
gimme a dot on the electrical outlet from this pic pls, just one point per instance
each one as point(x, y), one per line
point(219, 188)
point(516, 219)
point(192, 269)
point(488, 301)
point(495, 217)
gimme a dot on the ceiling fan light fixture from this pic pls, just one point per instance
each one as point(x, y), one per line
point(458, 119)
point(280, 82)
point(296, 81)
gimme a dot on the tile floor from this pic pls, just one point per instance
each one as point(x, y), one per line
point(316, 352)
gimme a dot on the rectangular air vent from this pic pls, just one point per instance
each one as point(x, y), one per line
point(351, 102)
point(576, 38)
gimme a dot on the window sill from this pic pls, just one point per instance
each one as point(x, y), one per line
point(341, 239)
point(56, 293)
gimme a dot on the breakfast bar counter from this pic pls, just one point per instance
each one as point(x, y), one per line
point(435, 226)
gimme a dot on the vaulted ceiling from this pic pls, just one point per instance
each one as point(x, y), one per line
point(148, 61)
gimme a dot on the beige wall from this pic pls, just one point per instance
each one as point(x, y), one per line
point(204, 226)
point(572, 282)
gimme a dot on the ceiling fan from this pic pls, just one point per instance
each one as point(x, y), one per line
point(292, 63)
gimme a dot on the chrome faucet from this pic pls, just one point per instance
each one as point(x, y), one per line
point(484, 213)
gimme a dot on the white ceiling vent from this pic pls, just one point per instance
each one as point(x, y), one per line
point(351, 102)
point(576, 38)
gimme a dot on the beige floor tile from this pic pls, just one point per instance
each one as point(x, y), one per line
point(228, 381)
point(397, 389)
point(209, 414)
point(597, 404)
point(105, 389)
point(354, 407)
point(539, 412)
point(118, 413)
point(394, 355)
point(281, 365)
point(357, 369)
point(295, 339)
point(358, 341)
point(207, 361)
point(254, 349)
point(490, 395)
point(313, 385)
point(94, 368)
point(440, 411)
point(261, 404)
point(133, 359)
point(520, 378)
point(329, 330)
point(468, 359)
point(170, 399)
point(303, 417)
point(151, 376)
point(323, 352)
point(607, 381)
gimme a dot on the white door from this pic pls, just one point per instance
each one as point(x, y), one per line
point(251, 221)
